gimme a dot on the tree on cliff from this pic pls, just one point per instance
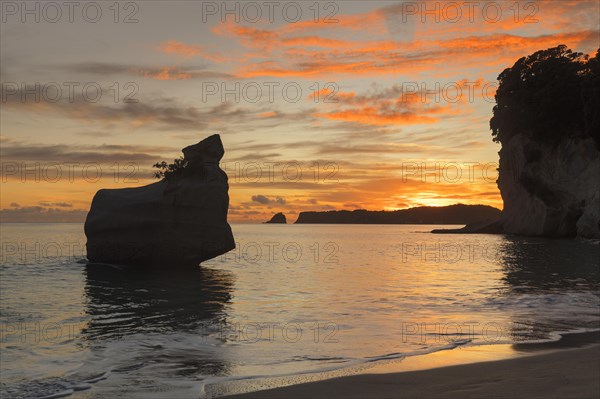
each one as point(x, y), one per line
point(591, 98)
point(550, 94)
point(168, 170)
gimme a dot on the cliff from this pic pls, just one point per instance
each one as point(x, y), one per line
point(547, 119)
point(453, 214)
point(278, 218)
point(180, 220)
point(550, 190)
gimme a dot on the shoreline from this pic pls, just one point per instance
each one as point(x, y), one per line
point(566, 368)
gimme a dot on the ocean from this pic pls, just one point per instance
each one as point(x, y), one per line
point(292, 303)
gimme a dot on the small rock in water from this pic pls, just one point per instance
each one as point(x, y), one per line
point(278, 218)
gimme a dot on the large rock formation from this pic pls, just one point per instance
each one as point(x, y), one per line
point(547, 118)
point(550, 190)
point(180, 220)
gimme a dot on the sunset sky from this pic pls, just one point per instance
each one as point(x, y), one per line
point(384, 102)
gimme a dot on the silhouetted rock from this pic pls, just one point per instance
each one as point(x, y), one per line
point(278, 218)
point(453, 214)
point(547, 119)
point(554, 194)
point(180, 220)
point(486, 227)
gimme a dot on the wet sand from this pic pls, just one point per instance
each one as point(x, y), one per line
point(546, 372)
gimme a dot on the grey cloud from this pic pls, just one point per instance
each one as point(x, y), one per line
point(261, 199)
point(106, 68)
point(38, 214)
point(162, 113)
point(384, 148)
point(63, 153)
point(168, 113)
point(97, 134)
point(253, 156)
point(56, 204)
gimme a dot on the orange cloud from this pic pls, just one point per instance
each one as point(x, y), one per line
point(373, 116)
point(189, 50)
point(307, 48)
point(372, 21)
point(328, 94)
point(178, 48)
point(375, 58)
point(168, 73)
point(313, 41)
point(400, 104)
point(269, 114)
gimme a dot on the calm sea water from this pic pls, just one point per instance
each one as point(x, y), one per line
point(289, 302)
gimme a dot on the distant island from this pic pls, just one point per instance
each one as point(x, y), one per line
point(453, 214)
point(278, 218)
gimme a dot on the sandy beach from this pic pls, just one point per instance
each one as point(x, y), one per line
point(565, 373)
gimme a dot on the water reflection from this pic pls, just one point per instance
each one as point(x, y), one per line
point(131, 300)
point(545, 281)
point(534, 264)
point(139, 319)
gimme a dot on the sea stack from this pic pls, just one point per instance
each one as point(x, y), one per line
point(180, 220)
point(278, 218)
